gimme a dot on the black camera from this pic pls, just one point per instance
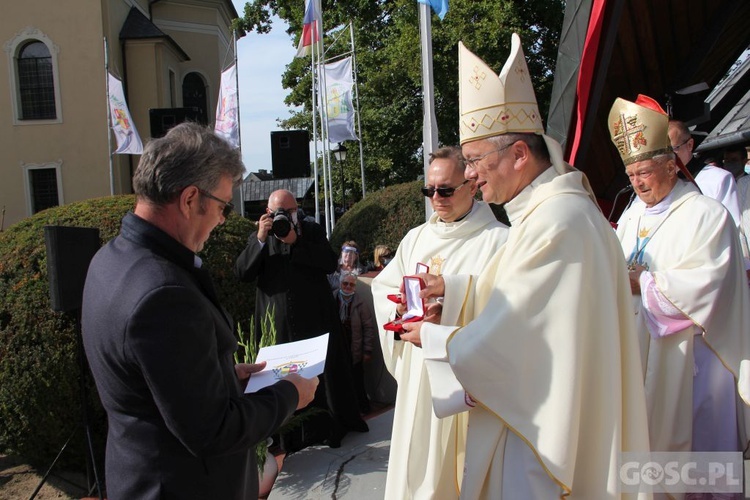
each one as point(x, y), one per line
point(282, 223)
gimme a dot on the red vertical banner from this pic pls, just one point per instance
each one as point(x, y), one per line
point(586, 72)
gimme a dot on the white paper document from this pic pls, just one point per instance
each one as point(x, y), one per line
point(305, 357)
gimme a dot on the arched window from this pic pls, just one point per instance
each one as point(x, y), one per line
point(34, 78)
point(36, 82)
point(194, 95)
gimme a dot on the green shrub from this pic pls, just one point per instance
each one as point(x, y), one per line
point(39, 390)
point(381, 218)
point(384, 217)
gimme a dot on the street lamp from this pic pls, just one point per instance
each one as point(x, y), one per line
point(339, 152)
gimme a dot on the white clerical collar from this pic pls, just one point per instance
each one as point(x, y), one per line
point(197, 262)
point(516, 207)
point(660, 207)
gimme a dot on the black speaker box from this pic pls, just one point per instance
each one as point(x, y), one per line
point(69, 253)
point(290, 153)
point(162, 119)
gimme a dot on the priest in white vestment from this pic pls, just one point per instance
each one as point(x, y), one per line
point(551, 357)
point(690, 294)
point(426, 454)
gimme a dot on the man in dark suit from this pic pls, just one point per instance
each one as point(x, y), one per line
point(160, 345)
point(291, 259)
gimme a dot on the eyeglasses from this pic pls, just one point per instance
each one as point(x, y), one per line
point(472, 162)
point(444, 192)
point(347, 284)
point(675, 148)
point(228, 205)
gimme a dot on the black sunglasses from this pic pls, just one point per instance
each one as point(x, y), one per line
point(444, 192)
point(228, 205)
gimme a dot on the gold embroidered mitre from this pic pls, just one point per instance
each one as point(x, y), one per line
point(639, 129)
point(490, 105)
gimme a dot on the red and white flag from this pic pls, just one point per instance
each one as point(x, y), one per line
point(312, 29)
point(227, 110)
point(128, 140)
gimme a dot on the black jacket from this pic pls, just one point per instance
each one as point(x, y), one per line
point(292, 280)
point(161, 350)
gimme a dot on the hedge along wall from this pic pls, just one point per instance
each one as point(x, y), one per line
point(39, 391)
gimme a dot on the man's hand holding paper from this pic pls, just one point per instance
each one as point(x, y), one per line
point(305, 358)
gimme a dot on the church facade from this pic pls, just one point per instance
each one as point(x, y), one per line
point(55, 143)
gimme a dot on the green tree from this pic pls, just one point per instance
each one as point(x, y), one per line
point(389, 70)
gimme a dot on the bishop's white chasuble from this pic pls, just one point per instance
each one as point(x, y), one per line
point(692, 251)
point(551, 357)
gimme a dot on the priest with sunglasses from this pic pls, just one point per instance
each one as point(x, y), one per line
point(460, 237)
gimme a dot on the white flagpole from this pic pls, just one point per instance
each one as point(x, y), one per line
point(315, 146)
point(109, 120)
point(316, 110)
point(324, 128)
point(429, 127)
point(356, 100)
point(315, 63)
point(322, 84)
point(239, 121)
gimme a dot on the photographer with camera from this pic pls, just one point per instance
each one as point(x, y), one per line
point(290, 257)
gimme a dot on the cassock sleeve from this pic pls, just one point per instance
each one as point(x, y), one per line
point(313, 250)
point(248, 265)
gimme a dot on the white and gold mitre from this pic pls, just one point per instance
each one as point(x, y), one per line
point(639, 130)
point(490, 105)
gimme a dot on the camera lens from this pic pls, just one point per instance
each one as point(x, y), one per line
point(281, 225)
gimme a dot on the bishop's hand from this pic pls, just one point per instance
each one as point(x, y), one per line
point(634, 273)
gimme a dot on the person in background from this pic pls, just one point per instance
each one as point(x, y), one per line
point(713, 181)
point(735, 158)
point(348, 262)
point(689, 294)
point(735, 161)
point(359, 332)
point(381, 257)
point(161, 346)
point(290, 257)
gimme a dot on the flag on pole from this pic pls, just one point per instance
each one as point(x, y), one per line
point(128, 140)
point(311, 31)
point(227, 110)
point(339, 82)
point(439, 6)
